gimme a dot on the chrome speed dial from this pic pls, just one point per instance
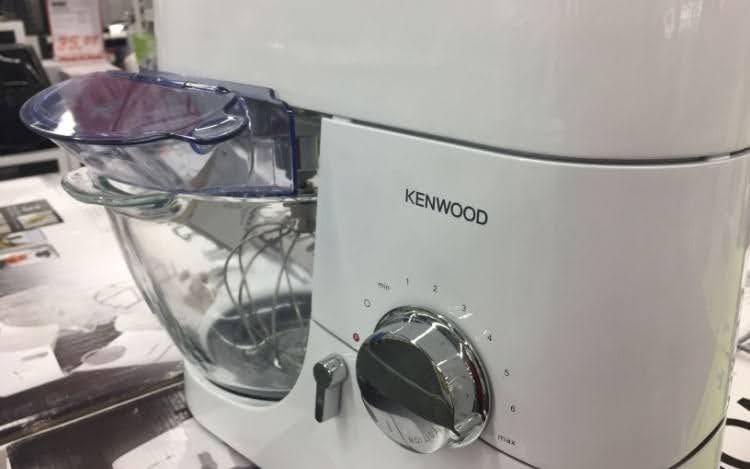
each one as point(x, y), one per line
point(422, 381)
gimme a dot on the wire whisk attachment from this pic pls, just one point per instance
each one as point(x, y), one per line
point(267, 277)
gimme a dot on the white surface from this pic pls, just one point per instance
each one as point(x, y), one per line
point(87, 286)
point(138, 348)
point(188, 446)
point(19, 339)
point(610, 292)
point(27, 359)
point(26, 369)
point(75, 69)
point(71, 305)
point(63, 70)
point(84, 227)
point(601, 78)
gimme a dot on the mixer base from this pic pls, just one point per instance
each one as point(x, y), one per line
point(285, 434)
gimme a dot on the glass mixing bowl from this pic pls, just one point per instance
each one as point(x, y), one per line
point(230, 278)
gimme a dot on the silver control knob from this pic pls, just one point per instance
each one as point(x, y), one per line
point(422, 381)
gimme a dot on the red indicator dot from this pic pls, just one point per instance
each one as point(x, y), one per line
point(355, 336)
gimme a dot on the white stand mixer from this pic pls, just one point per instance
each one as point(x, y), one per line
point(531, 227)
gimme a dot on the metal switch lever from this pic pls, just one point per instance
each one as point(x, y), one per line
point(329, 374)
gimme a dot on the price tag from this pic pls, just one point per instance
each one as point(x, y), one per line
point(76, 29)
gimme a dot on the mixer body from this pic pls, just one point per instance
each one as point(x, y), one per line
point(529, 224)
point(600, 298)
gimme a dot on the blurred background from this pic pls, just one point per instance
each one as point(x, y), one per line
point(43, 42)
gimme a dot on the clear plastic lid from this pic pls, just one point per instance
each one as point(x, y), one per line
point(123, 109)
point(166, 132)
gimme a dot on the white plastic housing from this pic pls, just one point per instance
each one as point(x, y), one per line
point(285, 435)
point(601, 298)
point(609, 291)
point(614, 314)
point(636, 79)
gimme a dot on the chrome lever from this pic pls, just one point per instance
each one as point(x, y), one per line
point(329, 374)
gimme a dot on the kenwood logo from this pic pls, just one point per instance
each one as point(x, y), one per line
point(448, 207)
